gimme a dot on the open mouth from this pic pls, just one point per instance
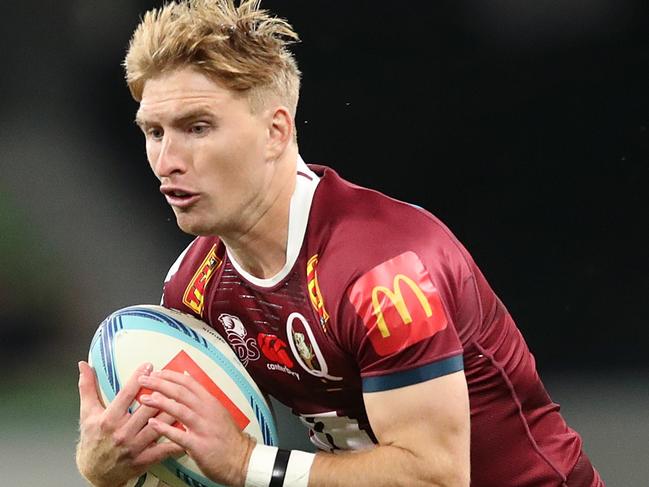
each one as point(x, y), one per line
point(179, 198)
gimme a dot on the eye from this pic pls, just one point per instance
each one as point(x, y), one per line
point(155, 133)
point(199, 128)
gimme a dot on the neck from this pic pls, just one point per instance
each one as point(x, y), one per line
point(261, 250)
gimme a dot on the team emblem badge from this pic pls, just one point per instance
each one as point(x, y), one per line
point(244, 346)
point(305, 349)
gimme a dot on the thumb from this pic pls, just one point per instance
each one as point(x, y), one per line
point(88, 395)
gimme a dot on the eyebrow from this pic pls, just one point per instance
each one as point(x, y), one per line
point(182, 119)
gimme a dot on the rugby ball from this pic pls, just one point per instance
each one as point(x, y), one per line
point(170, 339)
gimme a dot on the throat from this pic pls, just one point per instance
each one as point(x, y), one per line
point(258, 261)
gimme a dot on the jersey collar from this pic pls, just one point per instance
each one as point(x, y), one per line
point(305, 186)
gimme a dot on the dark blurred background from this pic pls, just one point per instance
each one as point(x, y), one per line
point(522, 125)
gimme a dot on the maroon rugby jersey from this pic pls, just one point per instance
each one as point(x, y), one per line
point(378, 294)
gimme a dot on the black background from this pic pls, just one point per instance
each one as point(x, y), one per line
point(523, 127)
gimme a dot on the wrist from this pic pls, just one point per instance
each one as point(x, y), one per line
point(270, 466)
point(243, 470)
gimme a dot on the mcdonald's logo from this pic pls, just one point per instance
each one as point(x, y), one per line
point(399, 304)
point(395, 296)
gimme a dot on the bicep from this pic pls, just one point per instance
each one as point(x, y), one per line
point(430, 420)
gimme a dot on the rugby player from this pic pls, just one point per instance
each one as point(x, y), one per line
point(362, 313)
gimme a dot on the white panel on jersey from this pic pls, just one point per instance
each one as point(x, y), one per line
point(336, 434)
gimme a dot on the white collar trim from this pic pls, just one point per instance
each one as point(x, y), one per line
point(305, 186)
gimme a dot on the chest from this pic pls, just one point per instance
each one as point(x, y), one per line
point(284, 342)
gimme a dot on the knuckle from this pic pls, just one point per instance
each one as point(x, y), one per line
point(189, 414)
point(166, 418)
point(185, 379)
point(104, 425)
point(159, 398)
point(119, 438)
point(175, 408)
point(87, 424)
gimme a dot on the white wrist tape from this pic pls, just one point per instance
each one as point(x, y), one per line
point(298, 469)
point(271, 467)
point(260, 467)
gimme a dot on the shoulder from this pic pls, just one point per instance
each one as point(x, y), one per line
point(355, 229)
point(370, 248)
point(197, 249)
point(383, 264)
point(188, 276)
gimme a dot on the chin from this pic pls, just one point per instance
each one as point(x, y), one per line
point(193, 227)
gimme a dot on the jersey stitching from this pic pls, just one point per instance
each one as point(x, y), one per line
point(519, 406)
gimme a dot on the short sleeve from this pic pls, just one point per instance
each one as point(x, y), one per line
point(401, 330)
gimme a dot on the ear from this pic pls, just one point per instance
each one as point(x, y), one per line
point(280, 132)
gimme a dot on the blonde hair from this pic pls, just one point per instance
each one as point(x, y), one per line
point(243, 48)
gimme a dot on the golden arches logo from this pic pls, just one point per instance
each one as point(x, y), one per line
point(396, 297)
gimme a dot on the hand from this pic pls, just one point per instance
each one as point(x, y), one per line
point(210, 436)
point(115, 445)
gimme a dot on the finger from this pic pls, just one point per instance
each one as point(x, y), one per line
point(159, 452)
point(176, 435)
point(148, 434)
point(124, 398)
point(139, 419)
point(89, 401)
point(180, 411)
point(175, 385)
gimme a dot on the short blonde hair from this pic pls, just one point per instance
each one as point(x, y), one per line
point(243, 48)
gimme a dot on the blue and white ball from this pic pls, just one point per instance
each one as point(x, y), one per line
point(131, 336)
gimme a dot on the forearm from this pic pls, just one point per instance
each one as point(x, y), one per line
point(387, 466)
point(381, 466)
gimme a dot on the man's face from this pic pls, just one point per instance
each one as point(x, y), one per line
point(208, 150)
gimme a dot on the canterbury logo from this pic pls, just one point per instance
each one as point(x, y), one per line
point(396, 297)
point(274, 349)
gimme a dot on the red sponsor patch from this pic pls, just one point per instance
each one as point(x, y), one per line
point(398, 303)
point(184, 364)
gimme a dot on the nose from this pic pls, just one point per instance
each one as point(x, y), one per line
point(169, 159)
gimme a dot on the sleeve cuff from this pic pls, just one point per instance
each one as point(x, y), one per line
point(413, 376)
